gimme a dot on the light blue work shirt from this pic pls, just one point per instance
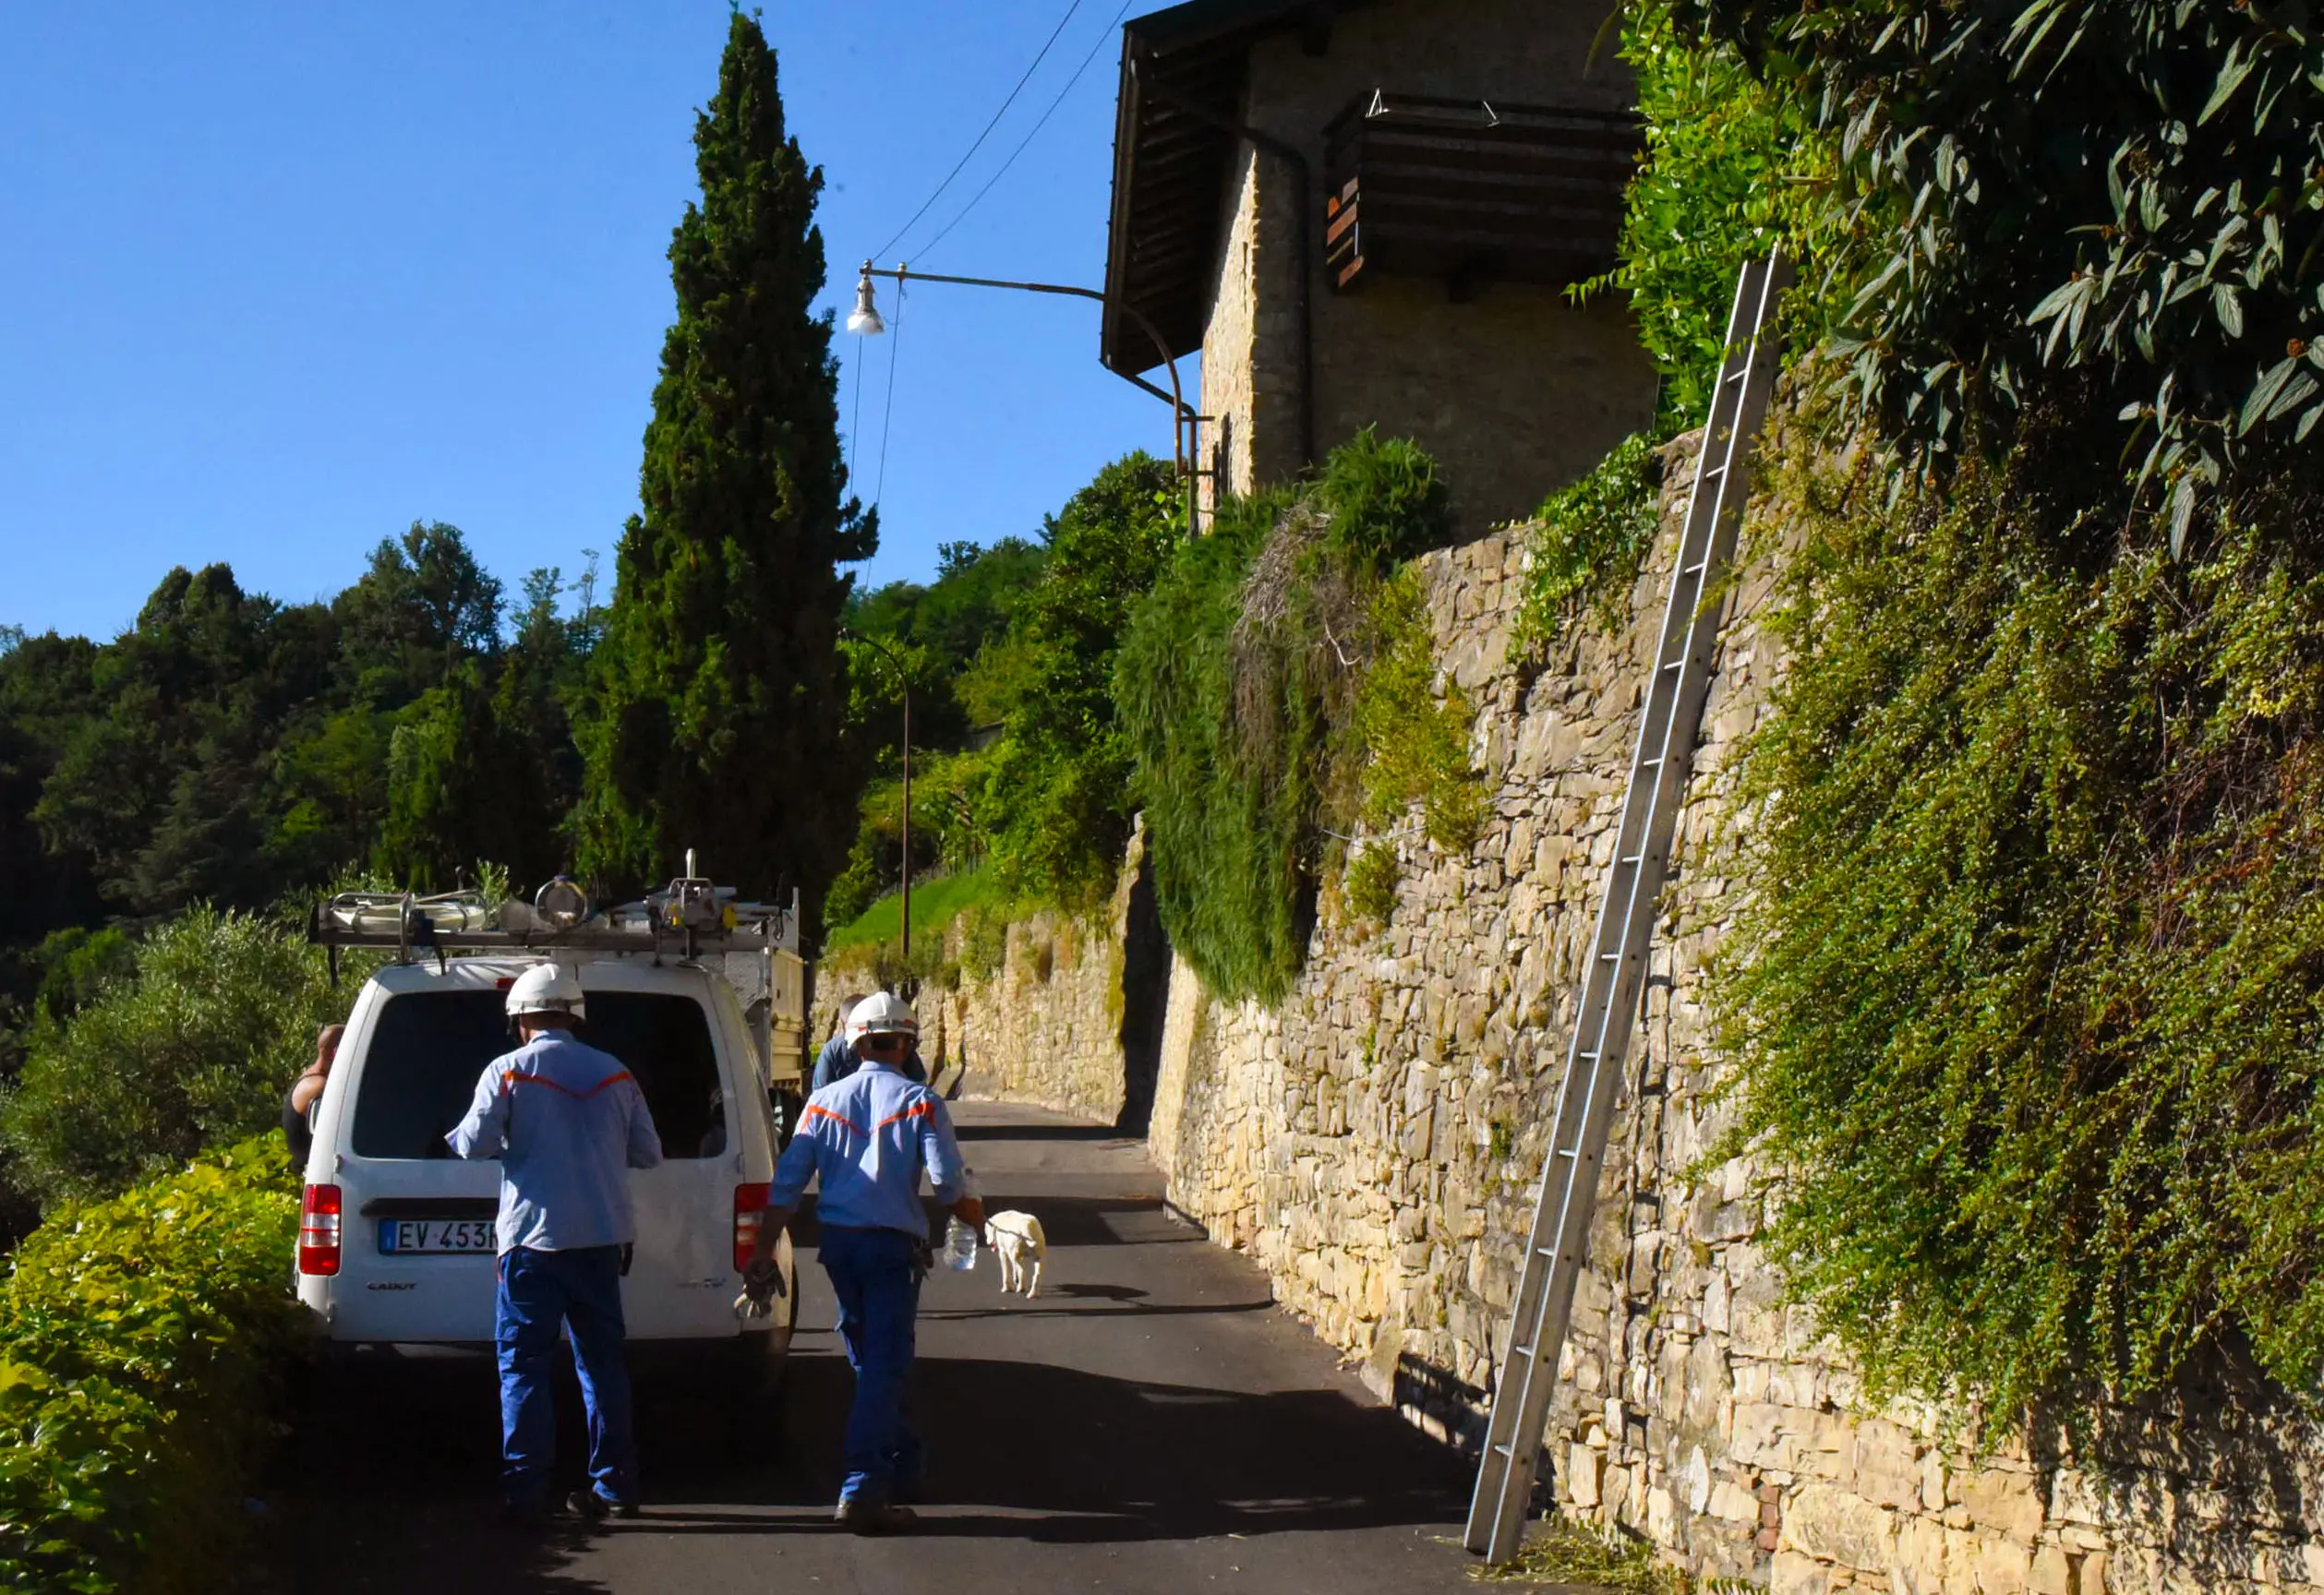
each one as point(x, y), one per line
point(566, 1122)
point(869, 1137)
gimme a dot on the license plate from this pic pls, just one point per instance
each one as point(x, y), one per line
point(408, 1235)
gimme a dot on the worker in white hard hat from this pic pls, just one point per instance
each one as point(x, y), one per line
point(568, 1123)
point(839, 1058)
point(868, 1138)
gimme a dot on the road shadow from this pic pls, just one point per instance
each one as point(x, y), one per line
point(1048, 1454)
point(1017, 1450)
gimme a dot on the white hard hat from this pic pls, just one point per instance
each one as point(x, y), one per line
point(546, 989)
point(882, 1013)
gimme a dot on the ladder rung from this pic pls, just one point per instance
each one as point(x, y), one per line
point(1566, 1152)
point(1698, 569)
point(1676, 665)
point(1711, 470)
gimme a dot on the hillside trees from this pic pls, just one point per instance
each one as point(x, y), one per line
point(1058, 792)
point(717, 714)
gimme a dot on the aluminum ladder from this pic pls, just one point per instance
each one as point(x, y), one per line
point(1668, 729)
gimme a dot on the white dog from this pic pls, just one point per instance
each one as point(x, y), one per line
point(1017, 1240)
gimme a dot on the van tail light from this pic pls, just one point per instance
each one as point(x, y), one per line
point(319, 1230)
point(749, 1212)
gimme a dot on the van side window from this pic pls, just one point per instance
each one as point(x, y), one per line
point(427, 1049)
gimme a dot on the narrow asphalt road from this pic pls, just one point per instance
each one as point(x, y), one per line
point(1152, 1422)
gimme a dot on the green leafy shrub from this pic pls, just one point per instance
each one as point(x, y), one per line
point(1241, 686)
point(2118, 201)
point(1230, 789)
point(1373, 871)
point(1733, 167)
point(950, 827)
point(2027, 1000)
point(1382, 501)
point(1593, 534)
point(191, 1052)
point(140, 1339)
point(1415, 743)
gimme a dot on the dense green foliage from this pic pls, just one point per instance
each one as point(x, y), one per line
point(2025, 995)
point(1008, 653)
point(140, 1343)
point(188, 1050)
point(1239, 684)
point(2129, 193)
point(1732, 169)
point(719, 700)
point(1592, 536)
point(2031, 998)
point(1415, 738)
point(949, 822)
point(939, 641)
point(1057, 804)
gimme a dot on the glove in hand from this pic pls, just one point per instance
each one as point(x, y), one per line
point(762, 1282)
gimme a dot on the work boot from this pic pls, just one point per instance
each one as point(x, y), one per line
point(593, 1508)
point(865, 1516)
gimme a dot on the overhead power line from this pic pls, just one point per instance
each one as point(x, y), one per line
point(1071, 83)
point(980, 137)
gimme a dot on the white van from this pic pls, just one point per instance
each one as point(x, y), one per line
point(396, 1241)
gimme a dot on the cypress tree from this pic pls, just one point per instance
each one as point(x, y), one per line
point(718, 697)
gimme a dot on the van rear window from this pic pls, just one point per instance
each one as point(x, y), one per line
point(429, 1048)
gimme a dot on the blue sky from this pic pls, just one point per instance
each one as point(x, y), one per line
point(282, 279)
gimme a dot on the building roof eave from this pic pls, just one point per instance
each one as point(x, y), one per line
point(1170, 168)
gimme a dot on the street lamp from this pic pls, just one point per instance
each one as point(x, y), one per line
point(1184, 424)
point(866, 320)
point(904, 680)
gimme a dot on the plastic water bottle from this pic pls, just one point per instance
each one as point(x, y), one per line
point(959, 1247)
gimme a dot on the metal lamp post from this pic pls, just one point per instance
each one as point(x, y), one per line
point(1185, 422)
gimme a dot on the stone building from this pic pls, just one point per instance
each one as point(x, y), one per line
point(1370, 212)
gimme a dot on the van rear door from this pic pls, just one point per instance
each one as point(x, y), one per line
point(661, 1024)
point(417, 1248)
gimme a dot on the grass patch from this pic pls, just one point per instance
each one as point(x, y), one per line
point(935, 904)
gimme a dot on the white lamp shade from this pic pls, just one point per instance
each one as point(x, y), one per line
point(865, 320)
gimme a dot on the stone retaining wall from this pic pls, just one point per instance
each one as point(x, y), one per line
point(1052, 1023)
point(1375, 1140)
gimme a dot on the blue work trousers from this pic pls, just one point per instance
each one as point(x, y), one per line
point(876, 1274)
point(539, 1292)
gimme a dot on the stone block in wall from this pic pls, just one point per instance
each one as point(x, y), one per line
point(1834, 1524)
point(2005, 1501)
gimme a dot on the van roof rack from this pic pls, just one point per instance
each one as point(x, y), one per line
point(685, 918)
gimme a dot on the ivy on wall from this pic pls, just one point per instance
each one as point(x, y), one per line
point(2029, 998)
point(1254, 685)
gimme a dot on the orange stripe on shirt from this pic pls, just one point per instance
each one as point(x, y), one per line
point(816, 1112)
point(918, 1110)
point(514, 1079)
